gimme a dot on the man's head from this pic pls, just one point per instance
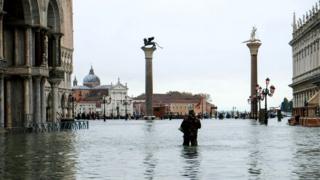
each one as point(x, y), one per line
point(191, 113)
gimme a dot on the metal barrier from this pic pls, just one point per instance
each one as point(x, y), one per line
point(51, 127)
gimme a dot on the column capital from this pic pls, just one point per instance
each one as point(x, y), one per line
point(148, 51)
point(54, 82)
point(254, 47)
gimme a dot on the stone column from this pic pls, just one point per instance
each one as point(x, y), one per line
point(43, 101)
point(1, 102)
point(57, 49)
point(254, 47)
point(55, 93)
point(149, 81)
point(26, 100)
point(27, 46)
point(45, 52)
point(1, 37)
point(8, 104)
point(37, 103)
point(16, 47)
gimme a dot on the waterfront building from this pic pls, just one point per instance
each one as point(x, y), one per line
point(306, 63)
point(89, 97)
point(36, 56)
point(174, 104)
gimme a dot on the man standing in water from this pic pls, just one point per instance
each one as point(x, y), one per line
point(189, 127)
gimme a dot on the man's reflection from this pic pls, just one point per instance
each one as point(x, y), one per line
point(191, 159)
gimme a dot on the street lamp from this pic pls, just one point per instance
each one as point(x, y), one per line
point(126, 102)
point(108, 101)
point(267, 92)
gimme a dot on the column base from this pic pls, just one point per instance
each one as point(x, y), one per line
point(149, 117)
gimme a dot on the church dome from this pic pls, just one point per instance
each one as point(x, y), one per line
point(91, 80)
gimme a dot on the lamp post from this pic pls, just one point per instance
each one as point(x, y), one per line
point(266, 92)
point(126, 102)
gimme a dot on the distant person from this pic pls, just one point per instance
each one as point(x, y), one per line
point(189, 127)
point(279, 115)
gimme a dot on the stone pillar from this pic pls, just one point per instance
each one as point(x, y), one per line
point(37, 103)
point(254, 47)
point(57, 49)
point(1, 101)
point(26, 100)
point(45, 52)
point(8, 104)
point(1, 37)
point(149, 81)
point(43, 101)
point(16, 47)
point(55, 93)
point(27, 46)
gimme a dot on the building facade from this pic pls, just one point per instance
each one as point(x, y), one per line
point(306, 62)
point(109, 100)
point(36, 56)
point(174, 104)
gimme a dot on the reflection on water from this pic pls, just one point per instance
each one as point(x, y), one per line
point(191, 162)
point(228, 149)
point(36, 156)
point(150, 162)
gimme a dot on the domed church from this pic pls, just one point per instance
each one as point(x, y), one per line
point(91, 80)
point(89, 97)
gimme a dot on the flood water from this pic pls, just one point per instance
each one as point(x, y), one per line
point(228, 149)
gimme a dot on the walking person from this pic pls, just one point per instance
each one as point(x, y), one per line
point(189, 127)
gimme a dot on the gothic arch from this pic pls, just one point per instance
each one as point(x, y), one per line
point(35, 12)
point(12, 6)
point(54, 16)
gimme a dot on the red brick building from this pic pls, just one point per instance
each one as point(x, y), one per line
point(175, 104)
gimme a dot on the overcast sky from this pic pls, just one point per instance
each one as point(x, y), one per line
point(202, 40)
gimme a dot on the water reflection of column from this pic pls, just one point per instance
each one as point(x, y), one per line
point(149, 161)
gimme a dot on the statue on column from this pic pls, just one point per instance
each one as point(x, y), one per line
point(253, 36)
point(150, 42)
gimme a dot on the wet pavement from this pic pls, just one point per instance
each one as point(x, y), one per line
point(228, 149)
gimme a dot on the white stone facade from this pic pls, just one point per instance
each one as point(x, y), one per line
point(306, 57)
point(118, 102)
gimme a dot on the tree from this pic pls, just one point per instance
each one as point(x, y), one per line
point(206, 96)
point(286, 106)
